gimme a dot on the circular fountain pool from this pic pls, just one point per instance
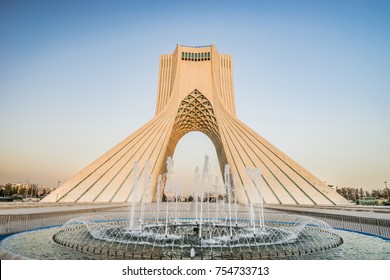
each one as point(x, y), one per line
point(187, 238)
point(179, 236)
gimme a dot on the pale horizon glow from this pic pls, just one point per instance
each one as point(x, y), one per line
point(311, 77)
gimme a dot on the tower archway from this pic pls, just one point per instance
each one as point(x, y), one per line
point(196, 113)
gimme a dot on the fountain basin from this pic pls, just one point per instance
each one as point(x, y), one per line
point(209, 238)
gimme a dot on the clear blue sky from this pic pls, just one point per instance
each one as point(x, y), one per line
point(312, 77)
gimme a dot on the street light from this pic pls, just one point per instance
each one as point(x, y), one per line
point(388, 198)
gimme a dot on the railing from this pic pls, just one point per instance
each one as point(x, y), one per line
point(16, 223)
point(373, 226)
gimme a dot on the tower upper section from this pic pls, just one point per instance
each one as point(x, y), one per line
point(201, 68)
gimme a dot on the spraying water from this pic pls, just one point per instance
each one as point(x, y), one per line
point(145, 194)
point(255, 177)
point(197, 185)
point(228, 187)
point(168, 188)
point(204, 180)
point(134, 195)
point(235, 197)
point(182, 237)
point(176, 200)
point(216, 185)
point(158, 198)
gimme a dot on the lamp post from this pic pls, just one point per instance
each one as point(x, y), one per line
point(388, 198)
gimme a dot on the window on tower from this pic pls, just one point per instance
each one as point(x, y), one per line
point(195, 56)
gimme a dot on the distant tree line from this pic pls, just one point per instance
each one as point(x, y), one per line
point(211, 197)
point(23, 190)
point(354, 194)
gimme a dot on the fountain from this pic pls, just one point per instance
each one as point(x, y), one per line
point(192, 231)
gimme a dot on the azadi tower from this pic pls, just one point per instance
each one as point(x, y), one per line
point(196, 93)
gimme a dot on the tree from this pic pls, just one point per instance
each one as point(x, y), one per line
point(386, 193)
point(8, 190)
point(350, 194)
point(376, 193)
point(361, 193)
point(22, 190)
point(344, 192)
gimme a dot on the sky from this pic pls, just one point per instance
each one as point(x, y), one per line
point(312, 77)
